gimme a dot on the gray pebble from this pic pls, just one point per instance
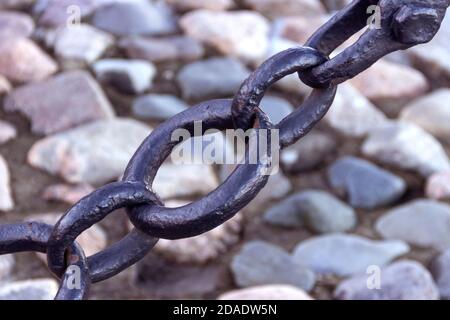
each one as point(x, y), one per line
point(440, 269)
point(307, 153)
point(128, 76)
point(276, 108)
point(135, 18)
point(36, 289)
point(212, 78)
point(261, 263)
point(425, 223)
point(318, 210)
point(344, 255)
point(158, 106)
point(366, 185)
point(402, 280)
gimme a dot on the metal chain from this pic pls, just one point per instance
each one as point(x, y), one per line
point(404, 23)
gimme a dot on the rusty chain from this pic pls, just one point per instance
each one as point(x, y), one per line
point(404, 23)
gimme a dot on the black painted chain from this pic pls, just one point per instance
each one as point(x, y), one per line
point(403, 24)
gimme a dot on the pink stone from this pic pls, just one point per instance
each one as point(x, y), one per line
point(438, 186)
point(70, 194)
point(390, 86)
point(21, 60)
point(7, 132)
point(242, 34)
point(61, 102)
point(298, 28)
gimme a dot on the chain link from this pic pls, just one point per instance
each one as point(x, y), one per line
point(404, 23)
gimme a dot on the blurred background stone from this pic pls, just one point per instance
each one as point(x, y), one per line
point(276, 108)
point(53, 13)
point(344, 255)
point(128, 76)
point(267, 292)
point(317, 210)
point(421, 222)
point(92, 153)
point(402, 280)
point(276, 8)
point(366, 185)
point(241, 34)
point(53, 105)
point(15, 24)
point(36, 289)
point(297, 28)
point(7, 132)
point(79, 46)
point(217, 77)
point(431, 113)
point(335, 4)
point(163, 279)
point(438, 186)
point(187, 5)
point(23, 61)
point(390, 86)
point(135, 18)
point(276, 188)
point(6, 265)
point(6, 200)
point(174, 181)
point(15, 4)
point(5, 86)
point(352, 114)
point(70, 194)
point(261, 263)
point(162, 49)
point(307, 153)
point(158, 106)
point(440, 270)
point(408, 147)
